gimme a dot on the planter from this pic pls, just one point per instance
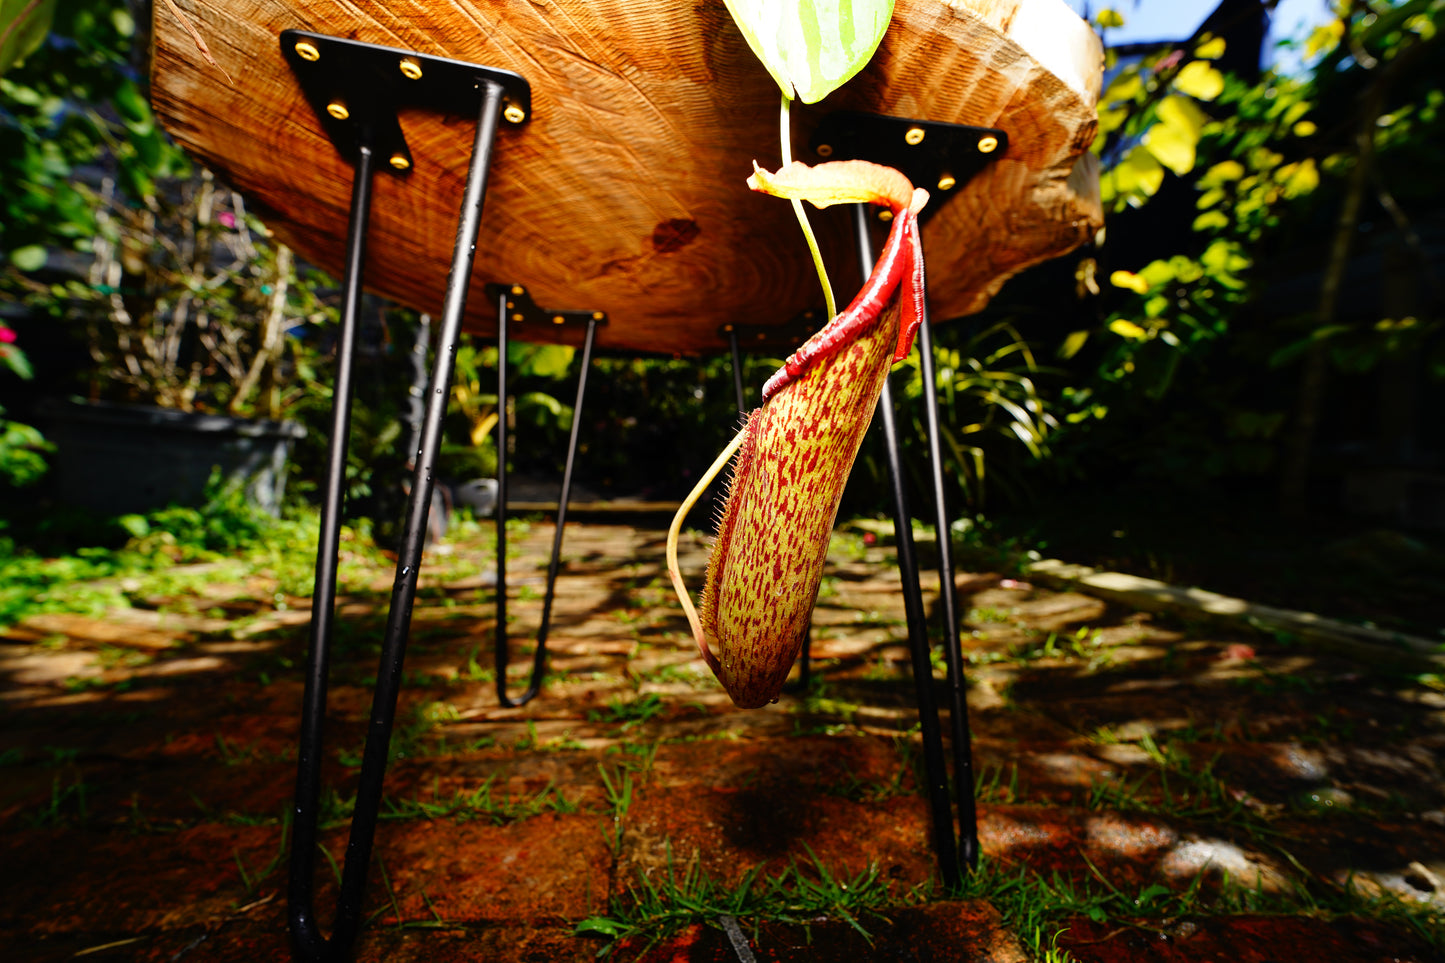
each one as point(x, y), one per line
point(116, 459)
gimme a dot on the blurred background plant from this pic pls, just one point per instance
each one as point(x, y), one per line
point(1265, 308)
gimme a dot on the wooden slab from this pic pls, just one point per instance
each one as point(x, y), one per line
point(624, 191)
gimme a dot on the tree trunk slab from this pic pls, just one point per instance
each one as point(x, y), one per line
point(624, 191)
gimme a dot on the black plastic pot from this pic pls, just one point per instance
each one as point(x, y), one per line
point(115, 459)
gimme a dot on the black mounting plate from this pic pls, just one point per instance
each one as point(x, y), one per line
point(936, 156)
point(752, 337)
point(521, 309)
point(358, 88)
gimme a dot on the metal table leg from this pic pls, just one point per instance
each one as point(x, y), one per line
point(305, 928)
point(945, 842)
point(539, 655)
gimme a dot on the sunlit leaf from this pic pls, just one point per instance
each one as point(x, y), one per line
point(1183, 115)
point(1109, 18)
point(1211, 221)
point(1130, 281)
point(1324, 38)
point(1073, 344)
point(1299, 178)
point(1127, 329)
point(1199, 79)
point(1211, 49)
point(1221, 173)
point(1138, 173)
point(1172, 147)
point(812, 47)
point(29, 258)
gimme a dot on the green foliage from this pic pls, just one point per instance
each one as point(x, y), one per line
point(85, 559)
point(23, 26)
point(989, 401)
point(655, 908)
point(74, 100)
point(21, 452)
point(1263, 166)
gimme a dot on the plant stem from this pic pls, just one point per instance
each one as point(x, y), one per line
point(785, 128)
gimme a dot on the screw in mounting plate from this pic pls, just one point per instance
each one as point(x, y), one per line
point(825, 150)
point(947, 182)
point(987, 144)
point(410, 68)
point(514, 114)
point(914, 136)
point(400, 162)
point(307, 51)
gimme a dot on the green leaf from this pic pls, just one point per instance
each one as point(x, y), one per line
point(1108, 18)
point(1211, 49)
point(812, 47)
point(23, 26)
point(1199, 79)
point(1172, 147)
point(1073, 344)
point(1219, 174)
point(29, 258)
point(131, 103)
point(1128, 329)
point(1298, 178)
point(15, 359)
point(1138, 173)
point(1183, 115)
point(1211, 221)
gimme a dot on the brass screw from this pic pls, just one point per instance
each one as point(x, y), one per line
point(558, 319)
point(306, 50)
point(410, 69)
point(517, 317)
point(885, 215)
point(598, 315)
point(400, 162)
point(510, 306)
point(825, 150)
point(727, 327)
point(946, 182)
point(914, 137)
point(987, 145)
point(514, 114)
point(518, 290)
point(338, 110)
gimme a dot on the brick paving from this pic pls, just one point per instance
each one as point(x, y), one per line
point(149, 759)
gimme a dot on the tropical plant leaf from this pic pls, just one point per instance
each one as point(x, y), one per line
point(812, 47)
point(23, 26)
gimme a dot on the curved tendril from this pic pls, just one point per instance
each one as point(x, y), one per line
point(676, 528)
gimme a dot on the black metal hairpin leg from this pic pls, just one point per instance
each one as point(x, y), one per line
point(305, 929)
point(945, 842)
point(961, 738)
point(539, 655)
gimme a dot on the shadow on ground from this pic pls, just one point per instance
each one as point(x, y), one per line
point(1148, 790)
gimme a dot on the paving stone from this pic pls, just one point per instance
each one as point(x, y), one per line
point(1284, 766)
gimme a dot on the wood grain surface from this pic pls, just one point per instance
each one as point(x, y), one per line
point(624, 191)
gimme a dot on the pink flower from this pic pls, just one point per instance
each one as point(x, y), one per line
point(7, 335)
point(227, 219)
